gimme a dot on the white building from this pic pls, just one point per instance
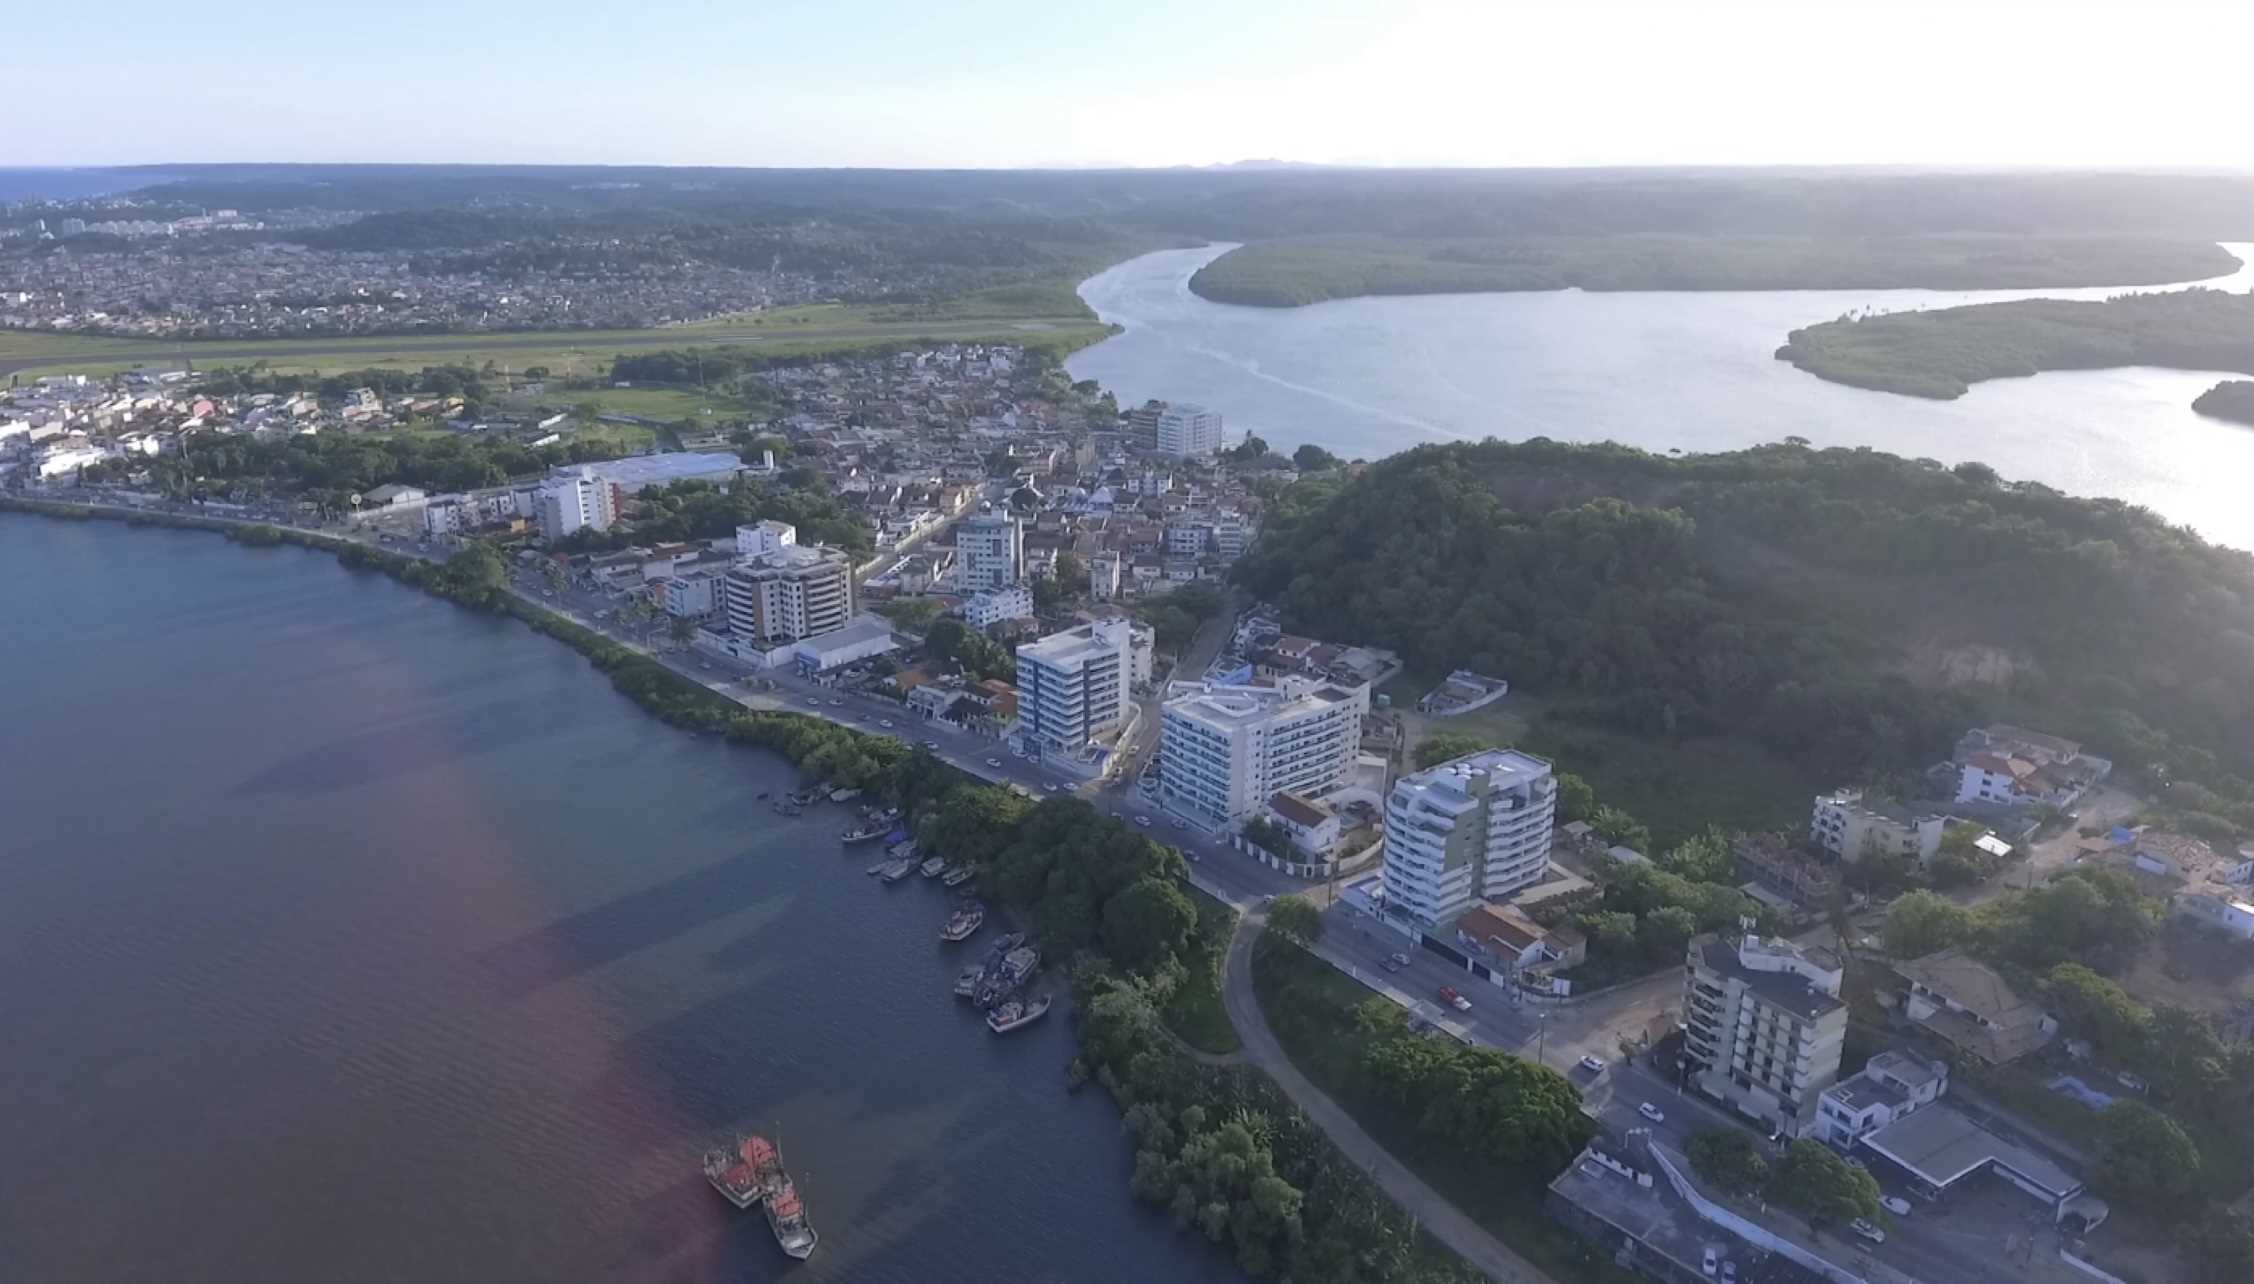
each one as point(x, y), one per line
point(764, 538)
point(1314, 826)
point(983, 610)
point(1890, 1086)
point(1851, 825)
point(989, 552)
point(1103, 576)
point(1474, 829)
point(1073, 685)
point(791, 593)
point(1763, 1026)
point(862, 638)
point(1224, 751)
point(1185, 430)
point(577, 501)
point(694, 596)
point(1142, 650)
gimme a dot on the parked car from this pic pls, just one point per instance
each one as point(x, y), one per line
point(1729, 1272)
point(1594, 1065)
point(1652, 1112)
point(1710, 1261)
point(1457, 1001)
point(1144, 821)
point(1867, 1231)
point(1895, 1204)
point(1395, 961)
point(836, 703)
point(993, 762)
point(1053, 787)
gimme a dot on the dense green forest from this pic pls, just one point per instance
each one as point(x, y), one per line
point(2232, 399)
point(699, 510)
point(1848, 611)
point(329, 468)
point(1942, 353)
point(1289, 273)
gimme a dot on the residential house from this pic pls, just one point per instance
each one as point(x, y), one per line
point(1967, 1005)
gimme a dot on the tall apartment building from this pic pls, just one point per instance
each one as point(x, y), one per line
point(1851, 825)
point(1224, 751)
point(1073, 685)
point(1186, 430)
point(1103, 576)
point(1764, 1026)
point(1477, 828)
point(578, 500)
point(791, 593)
point(989, 552)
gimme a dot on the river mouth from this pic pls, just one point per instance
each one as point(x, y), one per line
point(1665, 372)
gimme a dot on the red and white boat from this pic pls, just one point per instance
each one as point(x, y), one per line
point(746, 1172)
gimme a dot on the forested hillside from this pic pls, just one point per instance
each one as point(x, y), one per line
point(1847, 609)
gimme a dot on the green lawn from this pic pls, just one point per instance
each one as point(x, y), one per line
point(624, 439)
point(1310, 1006)
point(1194, 1011)
point(653, 403)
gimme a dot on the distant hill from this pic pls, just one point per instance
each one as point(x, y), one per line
point(2232, 399)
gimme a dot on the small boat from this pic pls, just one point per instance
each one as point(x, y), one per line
point(1016, 1014)
point(744, 1171)
point(786, 1216)
point(959, 875)
point(896, 869)
point(1000, 982)
point(966, 984)
point(844, 795)
point(876, 869)
point(788, 808)
point(934, 867)
point(964, 922)
point(864, 833)
point(765, 794)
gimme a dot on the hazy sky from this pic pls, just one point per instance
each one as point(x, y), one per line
point(1141, 82)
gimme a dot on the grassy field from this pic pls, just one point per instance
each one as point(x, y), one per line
point(1194, 1011)
point(1310, 1005)
point(655, 403)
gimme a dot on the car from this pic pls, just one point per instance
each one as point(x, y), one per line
point(1652, 1112)
point(1144, 821)
point(1395, 961)
point(837, 704)
point(1709, 1261)
point(1895, 1204)
point(816, 702)
point(1017, 753)
point(547, 592)
point(1594, 1065)
point(1867, 1231)
point(1052, 787)
point(885, 722)
point(1729, 1272)
point(704, 664)
point(993, 762)
point(928, 744)
point(1195, 859)
point(1449, 996)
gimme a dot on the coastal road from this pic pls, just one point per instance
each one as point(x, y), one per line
point(1471, 1241)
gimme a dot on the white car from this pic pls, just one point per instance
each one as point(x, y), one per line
point(837, 704)
point(1895, 1204)
point(1867, 1231)
point(1594, 1065)
point(1144, 821)
point(1053, 787)
point(1652, 1112)
point(993, 762)
point(1710, 1261)
point(885, 723)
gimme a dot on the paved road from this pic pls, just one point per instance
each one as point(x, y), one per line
point(1471, 1241)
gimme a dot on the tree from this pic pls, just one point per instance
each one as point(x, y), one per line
point(1448, 746)
point(1575, 799)
point(1728, 1158)
point(944, 638)
point(1297, 918)
point(1147, 923)
point(1703, 859)
point(1620, 829)
point(1312, 458)
point(2145, 1160)
point(1814, 1179)
point(1920, 922)
point(1251, 450)
point(475, 574)
point(1072, 575)
point(2096, 1009)
point(681, 629)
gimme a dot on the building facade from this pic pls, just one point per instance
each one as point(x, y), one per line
point(1763, 1027)
point(989, 552)
point(577, 501)
point(1889, 1086)
point(1474, 829)
point(1185, 430)
point(1073, 685)
point(1224, 751)
point(983, 610)
point(1851, 825)
point(796, 592)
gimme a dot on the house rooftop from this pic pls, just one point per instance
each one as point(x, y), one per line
point(1785, 989)
point(1300, 811)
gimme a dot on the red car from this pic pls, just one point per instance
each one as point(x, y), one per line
point(1449, 996)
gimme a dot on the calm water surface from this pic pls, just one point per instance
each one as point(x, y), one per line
point(348, 936)
point(1662, 371)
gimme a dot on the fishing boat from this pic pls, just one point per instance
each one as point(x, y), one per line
point(896, 869)
point(934, 867)
point(744, 1171)
point(966, 984)
point(999, 982)
point(1017, 1014)
point(958, 876)
point(865, 833)
point(786, 1216)
point(965, 921)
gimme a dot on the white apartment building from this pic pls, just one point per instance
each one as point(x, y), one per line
point(993, 606)
point(1073, 685)
point(1142, 651)
point(695, 595)
point(762, 538)
point(1851, 825)
point(1763, 1027)
point(989, 552)
point(1103, 576)
point(792, 593)
point(1185, 430)
point(1224, 751)
point(576, 501)
point(1890, 1086)
point(1474, 829)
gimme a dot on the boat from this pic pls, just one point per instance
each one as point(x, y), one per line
point(1016, 1014)
point(964, 922)
point(896, 869)
point(934, 867)
point(958, 876)
point(764, 795)
point(998, 983)
point(788, 808)
point(786, 1216)
point(876, 869)
point(865, 833)
point(844, 795)
point(744, 1171)
point(966, 984)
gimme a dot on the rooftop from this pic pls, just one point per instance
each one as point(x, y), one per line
point(656, 470)
point(1942, 1146)
point(1791, 991)
point(1300, 811)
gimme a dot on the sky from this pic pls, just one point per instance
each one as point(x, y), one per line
point(1006, 83)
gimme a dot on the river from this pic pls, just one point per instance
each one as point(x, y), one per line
point(346, 935)
point(1661, 371)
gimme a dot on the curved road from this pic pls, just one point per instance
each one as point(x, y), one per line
point(1471, 1241)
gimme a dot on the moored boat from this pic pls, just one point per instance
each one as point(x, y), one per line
point(896, 869)
point(964, 922)
point(999, 982)
point(958, 876)
point(1017, 1014)
point(966, 984)
point(745, 1171)
point(786, 1216)
point(866, 833)
point(934, 867)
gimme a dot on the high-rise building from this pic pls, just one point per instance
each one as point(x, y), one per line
point(577, 500)
point(790, 593)
point(1224, 751)
point(1073, 685)
point(1477, 828)
point(1851, 824)
point(1763, 1026)
point(1185, 430)
point(989, 552)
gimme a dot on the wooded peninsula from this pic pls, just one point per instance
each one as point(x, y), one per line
point(2232, 399)
point(1295, 272)
point(1941, 354)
